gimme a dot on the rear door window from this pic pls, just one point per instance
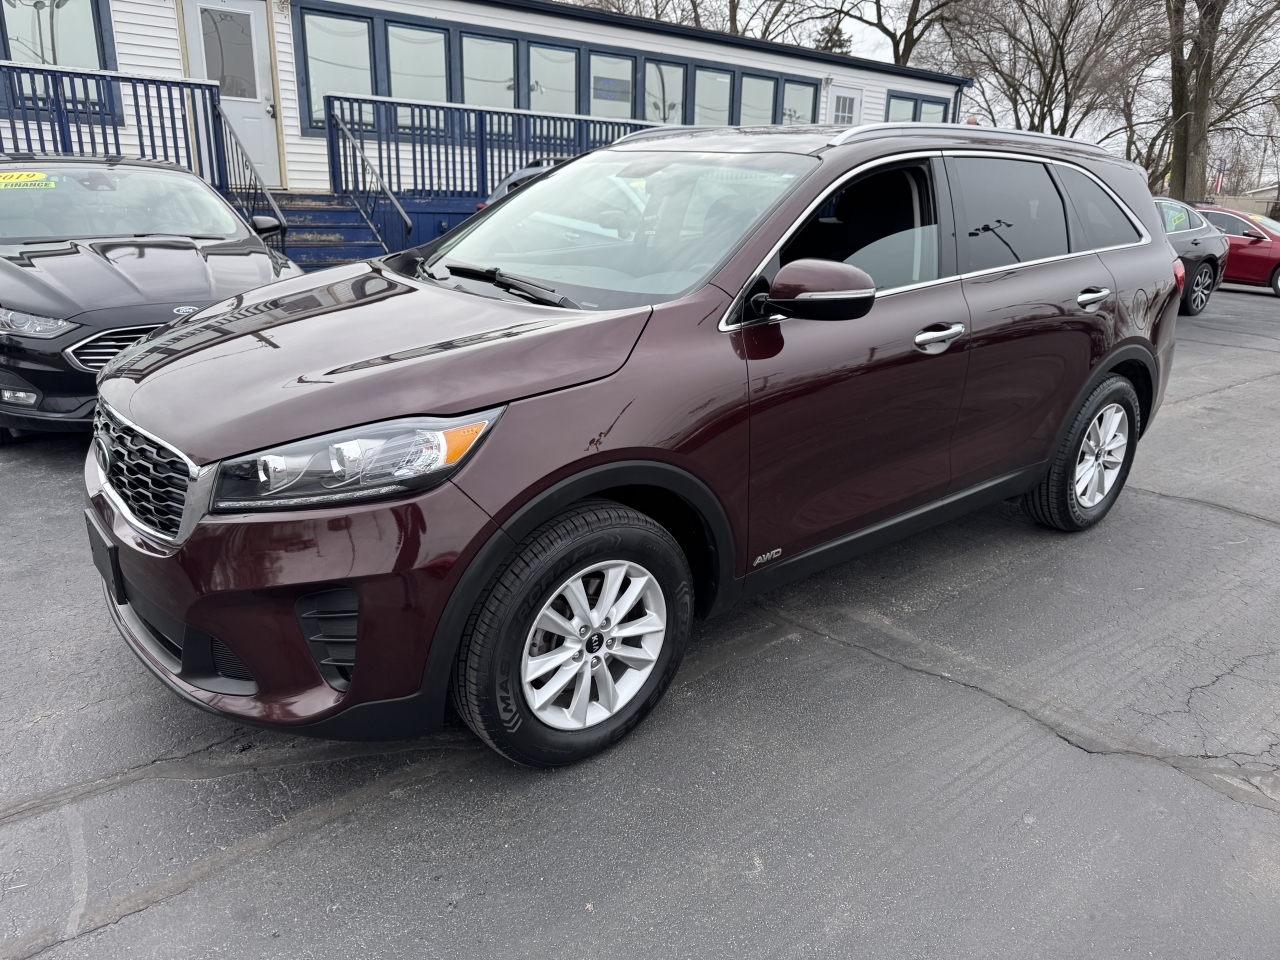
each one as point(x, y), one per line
point(885, 223)
point(1105, 224)
point(1008, 211)
point(1174, 216)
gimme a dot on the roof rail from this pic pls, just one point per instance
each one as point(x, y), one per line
point(846, 135)
point(653, 133)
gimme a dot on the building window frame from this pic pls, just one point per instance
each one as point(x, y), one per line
point(918, 100)
point(381, 79)
point(103, 32)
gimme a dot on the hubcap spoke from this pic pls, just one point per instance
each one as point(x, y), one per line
point(613, 578)
point(650, 623)
point(536, 667)
point(581, 699)
point(553, 687)
point(575, 594)
point(605, 688)
point(552, 622)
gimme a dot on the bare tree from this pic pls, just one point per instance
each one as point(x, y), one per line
point(1222, 68)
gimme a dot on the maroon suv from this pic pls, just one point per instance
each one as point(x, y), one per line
point(509, 467)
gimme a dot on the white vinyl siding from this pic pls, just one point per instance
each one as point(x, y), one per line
point(147, 37)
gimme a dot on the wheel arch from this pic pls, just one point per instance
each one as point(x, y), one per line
point(675, 498)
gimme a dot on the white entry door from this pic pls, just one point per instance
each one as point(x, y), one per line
point(844, 105)
point(227, 41)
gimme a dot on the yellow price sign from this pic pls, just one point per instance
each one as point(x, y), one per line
point(28, 179)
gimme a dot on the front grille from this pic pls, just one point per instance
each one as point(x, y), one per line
point(148, 476)
point(227, 663)
point(96, 352)
point(329, 620)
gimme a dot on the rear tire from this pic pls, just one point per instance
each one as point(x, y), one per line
point(544, 675)
point(1199, 289)
point(1275, 282)
point(1090, 468)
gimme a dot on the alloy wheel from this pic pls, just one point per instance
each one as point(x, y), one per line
point(1101, 455)
point(1201, 287)
point(593, 645)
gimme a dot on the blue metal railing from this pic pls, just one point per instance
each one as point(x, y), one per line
point(447, 150)
point(361, 182)
point(101, 113)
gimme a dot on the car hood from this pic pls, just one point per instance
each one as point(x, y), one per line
point(67, 278)
point(347, 346)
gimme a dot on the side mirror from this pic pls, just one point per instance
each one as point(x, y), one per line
point(263, 225)
point(813, 289)
point(1253, 235)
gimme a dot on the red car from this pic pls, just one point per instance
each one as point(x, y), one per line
point(1255, 246)
point(509, 468)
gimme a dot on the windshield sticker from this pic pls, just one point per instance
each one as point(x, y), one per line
point(22, 179)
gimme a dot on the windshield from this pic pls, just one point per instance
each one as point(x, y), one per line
point(60, 201)
point(620, 229)
point(1267, 222)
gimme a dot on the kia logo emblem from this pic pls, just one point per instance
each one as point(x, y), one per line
point(184, 311)
point(102, 454)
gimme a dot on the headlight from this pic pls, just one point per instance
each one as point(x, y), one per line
point(378, 460)
point(33, 325)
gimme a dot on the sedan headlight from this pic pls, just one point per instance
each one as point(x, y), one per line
point(33, 325)
point(377, 460)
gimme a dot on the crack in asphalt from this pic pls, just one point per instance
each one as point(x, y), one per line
point(1235, 511)
point(308, 821)
point(1209, 393)
point(1253, 787)
point(183, 768)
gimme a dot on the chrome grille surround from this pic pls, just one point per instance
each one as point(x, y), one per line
point(149, 479)
point(95, 352)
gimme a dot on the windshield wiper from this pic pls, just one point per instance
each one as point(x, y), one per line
point(537, 292)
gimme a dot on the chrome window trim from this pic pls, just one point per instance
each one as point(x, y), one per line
point(199, 488)
point(1144, 236)
point(69, 352)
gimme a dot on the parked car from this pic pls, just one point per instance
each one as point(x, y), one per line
point(1255, 246)
point(518, 178)
point(94, 255)
point(511, 466)
point(1202, 248)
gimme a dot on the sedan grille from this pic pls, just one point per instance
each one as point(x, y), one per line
point(96, 352)
point(150, 477)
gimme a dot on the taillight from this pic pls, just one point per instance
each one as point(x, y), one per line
point(1179, 274)
point(480, 206)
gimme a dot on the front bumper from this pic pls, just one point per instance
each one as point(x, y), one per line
point(236, 582)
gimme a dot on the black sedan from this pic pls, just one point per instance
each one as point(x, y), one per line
point(1200, 246)
point(95, 254)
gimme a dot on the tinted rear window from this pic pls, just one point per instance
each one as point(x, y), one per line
point(1105, 224)
point(1010, 212)
point(1233, 226)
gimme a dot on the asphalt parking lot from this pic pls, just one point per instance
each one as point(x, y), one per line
point(989, 740)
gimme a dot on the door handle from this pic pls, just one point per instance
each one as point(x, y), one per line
point(1092, 295)
point(926, 337)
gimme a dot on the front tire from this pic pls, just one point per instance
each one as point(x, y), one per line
point(1275, 282)
point(1198, 290)
point(1091, 467)
point(576, 638)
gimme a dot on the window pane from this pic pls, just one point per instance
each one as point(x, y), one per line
point(62, 34)
point(797, 103)
point(712, 92)
point(757, 101)
point(884, 223)
point(228, 52)
point(1174, 215)
point(553, 79)
point(901, 110)
point(337, 59)
point(846, 110)
point(611, 86)
point(1011, 212)
point(416, 59)
point(1105, 224)
point(1231, 226)
point(1195, 222)
point(488, 72)
point(664, 93)
point(933, 112)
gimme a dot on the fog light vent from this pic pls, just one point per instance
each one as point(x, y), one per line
point(328, 620)
point(227, 663)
